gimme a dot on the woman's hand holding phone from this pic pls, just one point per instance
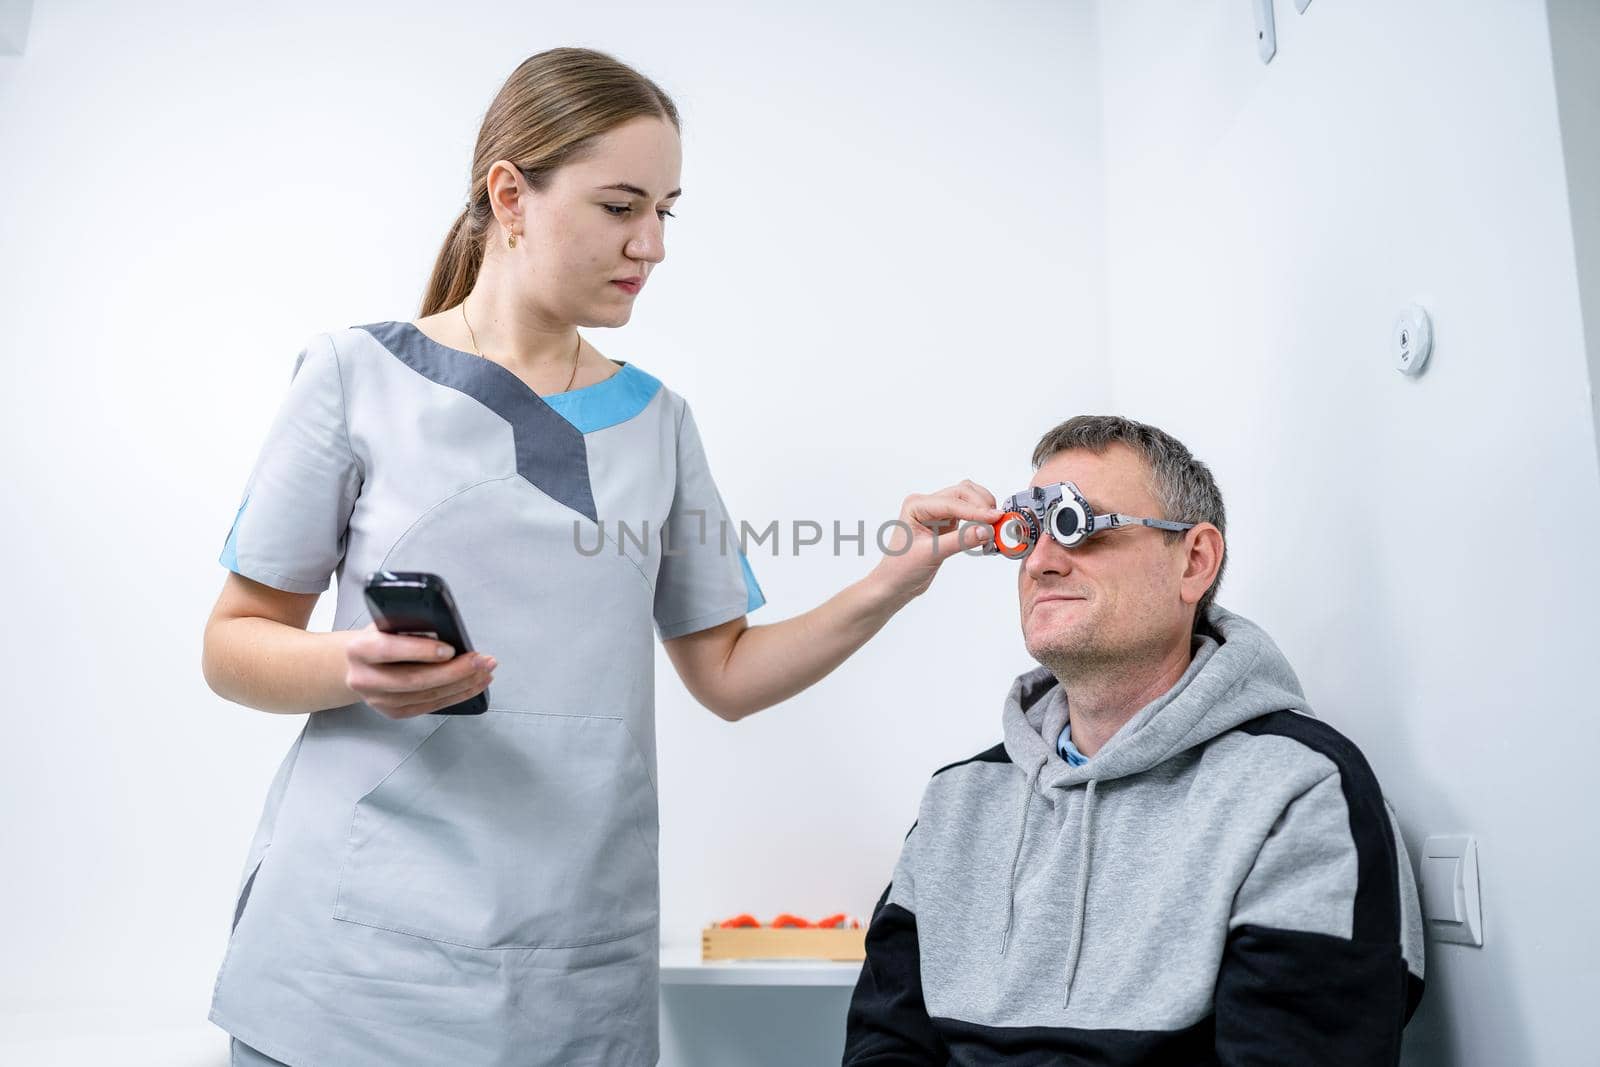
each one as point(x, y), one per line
point(403, 676)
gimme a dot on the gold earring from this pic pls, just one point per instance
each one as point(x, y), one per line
point(511, 241)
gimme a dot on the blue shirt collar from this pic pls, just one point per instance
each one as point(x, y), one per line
point(1068, 750)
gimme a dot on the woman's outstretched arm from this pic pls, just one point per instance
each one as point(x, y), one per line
point(736, 669)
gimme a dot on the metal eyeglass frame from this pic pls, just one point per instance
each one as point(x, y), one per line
point(1037, 509)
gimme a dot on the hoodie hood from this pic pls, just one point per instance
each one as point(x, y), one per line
point(1236, 674)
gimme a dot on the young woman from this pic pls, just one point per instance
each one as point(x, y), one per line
point(449, 889)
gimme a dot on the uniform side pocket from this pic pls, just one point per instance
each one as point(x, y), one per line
point(511, 829)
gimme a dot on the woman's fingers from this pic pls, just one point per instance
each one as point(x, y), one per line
point(412, 685)
point(375, 646)
point(982, 496)
point(939, 512)
point(915, 551)
point(400, 675)
point(973, 493)
point(439, 699)
point(404, 704)
point(955, 519)
point(387, 678)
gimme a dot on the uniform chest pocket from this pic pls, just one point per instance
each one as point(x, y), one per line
point(508, 830)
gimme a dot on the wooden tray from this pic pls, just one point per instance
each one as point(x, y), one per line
point(782, 943)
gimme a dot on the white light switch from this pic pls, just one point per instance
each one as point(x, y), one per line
point(1451, 908)
point(1441, 889)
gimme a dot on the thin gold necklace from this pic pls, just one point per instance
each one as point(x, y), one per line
point(575, 352)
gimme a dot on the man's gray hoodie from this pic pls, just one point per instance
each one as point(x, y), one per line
point(1223, 882)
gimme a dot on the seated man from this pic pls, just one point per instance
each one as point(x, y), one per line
point(1167, 860)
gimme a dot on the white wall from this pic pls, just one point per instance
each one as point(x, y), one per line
point(1423, 550)
point(1575, 57)
point(894, 267)
point(886, 276)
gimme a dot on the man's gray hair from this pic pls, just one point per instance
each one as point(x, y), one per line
point(1182, 484)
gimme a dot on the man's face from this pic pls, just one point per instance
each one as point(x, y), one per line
point(1116, 597)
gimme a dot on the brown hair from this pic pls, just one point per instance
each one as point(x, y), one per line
point(548, 113)
point(1183, 485)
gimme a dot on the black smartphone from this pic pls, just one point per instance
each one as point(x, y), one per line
point(419, 603)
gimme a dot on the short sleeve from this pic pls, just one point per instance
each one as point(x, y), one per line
point(291, 526)
point(704, 579)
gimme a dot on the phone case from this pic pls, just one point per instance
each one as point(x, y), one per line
point(419, 602)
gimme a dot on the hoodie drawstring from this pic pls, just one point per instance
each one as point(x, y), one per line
point(1084, 852)
point(1016, 856)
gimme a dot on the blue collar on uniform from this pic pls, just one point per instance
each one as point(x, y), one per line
point(608, 402)
point(1068, 750)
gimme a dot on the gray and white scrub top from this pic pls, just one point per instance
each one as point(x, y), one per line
point(474, 889)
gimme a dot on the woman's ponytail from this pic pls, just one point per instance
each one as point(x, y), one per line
point(456, 269)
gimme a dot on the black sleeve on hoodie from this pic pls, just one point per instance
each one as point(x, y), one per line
point(888, 1024)
point(1288, 997)
point(1292, 996)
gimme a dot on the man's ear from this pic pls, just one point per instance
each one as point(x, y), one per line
point(1203, 547)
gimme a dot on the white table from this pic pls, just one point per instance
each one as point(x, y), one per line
point(681, 966)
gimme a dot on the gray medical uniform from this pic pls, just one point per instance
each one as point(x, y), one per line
point(242, 1055)
point(474, 889)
